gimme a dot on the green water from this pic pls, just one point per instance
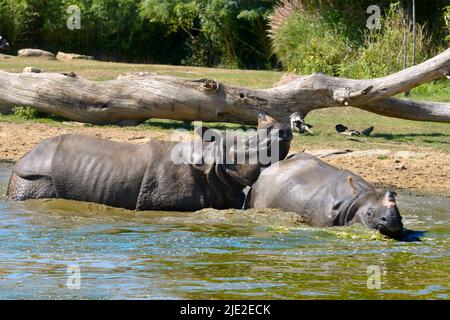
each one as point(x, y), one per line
point(215, 254)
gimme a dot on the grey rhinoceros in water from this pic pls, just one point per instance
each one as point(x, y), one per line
point(325, 196)
point(148, 177)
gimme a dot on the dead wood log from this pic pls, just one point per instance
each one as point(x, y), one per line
point(137, 97)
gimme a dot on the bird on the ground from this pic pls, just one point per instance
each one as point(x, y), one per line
point(298, 123)
point(341, 129)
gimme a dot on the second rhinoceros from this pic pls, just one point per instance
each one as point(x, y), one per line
point(325, 196)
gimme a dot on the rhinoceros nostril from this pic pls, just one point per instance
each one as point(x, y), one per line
point(383, 219)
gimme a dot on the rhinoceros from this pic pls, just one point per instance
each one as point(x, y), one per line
point(325, 196)
point(158, 175)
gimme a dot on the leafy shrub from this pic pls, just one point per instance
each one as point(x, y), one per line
point(26, 113)
point(447, 23)
point(383, 53)
point(306, 43)
point(220, 33)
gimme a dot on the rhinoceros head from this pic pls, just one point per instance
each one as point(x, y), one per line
point(274, 136)
point(270, 144)
point(377, 209)
point(241, 156)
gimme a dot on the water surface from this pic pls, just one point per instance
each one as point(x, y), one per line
point(215, 254)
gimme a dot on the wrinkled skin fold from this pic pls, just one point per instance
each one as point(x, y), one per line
point(325, 196)
point(141, 177)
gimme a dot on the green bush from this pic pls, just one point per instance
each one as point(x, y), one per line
point(447, 23)
point(306, 43)
point(221, 33)
point(383, 53)
point(228, 33)
point(309, 41)
point(26, 113)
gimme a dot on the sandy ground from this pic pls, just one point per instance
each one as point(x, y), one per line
point(421, 172)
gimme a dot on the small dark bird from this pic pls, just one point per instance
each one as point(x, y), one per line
point(341, 128)
point(367, 131)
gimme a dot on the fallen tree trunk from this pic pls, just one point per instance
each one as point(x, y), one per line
point(137, 97)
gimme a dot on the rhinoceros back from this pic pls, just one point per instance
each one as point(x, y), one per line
point(97, 170)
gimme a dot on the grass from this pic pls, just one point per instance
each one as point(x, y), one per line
point(101, 71)
point(389, 133)
point(436, 91)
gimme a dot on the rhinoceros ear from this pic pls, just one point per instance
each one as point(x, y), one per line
point(352, 185)
point(265, 121)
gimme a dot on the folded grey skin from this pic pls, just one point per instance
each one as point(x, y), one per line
point(159, 175)
point(325, 196)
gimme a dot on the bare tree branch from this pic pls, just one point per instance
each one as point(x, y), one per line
point(141, 96)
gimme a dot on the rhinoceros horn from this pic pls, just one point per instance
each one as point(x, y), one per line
point(389, 199)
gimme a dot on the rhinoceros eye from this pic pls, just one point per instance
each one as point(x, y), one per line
point(370, 211)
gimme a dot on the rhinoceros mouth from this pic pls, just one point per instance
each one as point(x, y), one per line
point(394, 233)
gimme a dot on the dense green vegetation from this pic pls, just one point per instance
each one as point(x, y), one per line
point(195, 32)
point(369, 63)
point(228, 33)
point(324, 40)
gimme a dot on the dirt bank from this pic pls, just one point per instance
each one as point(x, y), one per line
point(421, 172)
